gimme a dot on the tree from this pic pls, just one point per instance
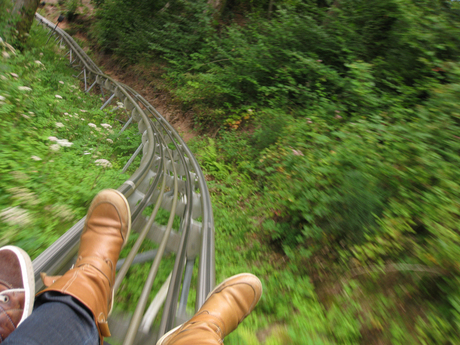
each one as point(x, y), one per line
point(26, 10)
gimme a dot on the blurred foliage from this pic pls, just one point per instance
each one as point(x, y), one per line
point(349, 147)
point(45, 187)
point(8, 32)
point(335, 173)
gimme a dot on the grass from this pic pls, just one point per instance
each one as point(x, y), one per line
point(48, 169)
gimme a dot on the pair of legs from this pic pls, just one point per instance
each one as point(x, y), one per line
point(74, 308)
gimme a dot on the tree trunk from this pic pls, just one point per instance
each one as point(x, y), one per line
point(219, 6)
point(26, 10)
point(270, 8)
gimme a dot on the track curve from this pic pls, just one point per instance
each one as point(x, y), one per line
point(169, 177)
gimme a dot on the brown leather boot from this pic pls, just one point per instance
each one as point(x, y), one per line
point(106, 230)
point(225, 308)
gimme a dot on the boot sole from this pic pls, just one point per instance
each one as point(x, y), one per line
point(166, 335)
point(129, 217)
point(28, 279)
point(124, 242)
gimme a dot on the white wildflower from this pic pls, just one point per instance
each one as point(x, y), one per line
point(52, 138)
point(63, 212)
point(24, 88)
point(59, 124)
point(98, 129)
point(103, 162)
point(64, 142)
point(23, 195)
point(57, 96)
point(86, 153)
point(15, 216)
point(61, 82)
point(3, 77)
point(83, 111)
point(92, 125)
point(31, 113)
point(25, 116)
point(14, 75)
point(110, 141)
point(2, 98)
point(82, 119)
point(5, 55)
point(19, 175)
point(54, 147)
point(39, 63)
point(67, 114)
point(297, 152)
point(120, 105)
point(36, 158)
point(41, 54)
point(106, 125)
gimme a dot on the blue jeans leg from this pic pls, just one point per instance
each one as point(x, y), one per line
point(56, 320)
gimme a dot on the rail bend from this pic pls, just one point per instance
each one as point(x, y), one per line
point(168, 177)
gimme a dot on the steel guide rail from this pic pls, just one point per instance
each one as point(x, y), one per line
point(169, 177)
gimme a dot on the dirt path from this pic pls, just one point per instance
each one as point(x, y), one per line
point(147, 82)
point(151, 87)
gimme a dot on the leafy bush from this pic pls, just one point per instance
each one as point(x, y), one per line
point(348, 159)
point(134, 29)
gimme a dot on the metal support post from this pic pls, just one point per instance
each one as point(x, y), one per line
point(126, 125)
point(133, 157)
point(49, 38)
point(76, 76)
point(89, 89)
point(186, 287)
point(107, 102)
point(84, 75)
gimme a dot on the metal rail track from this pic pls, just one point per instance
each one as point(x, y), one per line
point(168, 177)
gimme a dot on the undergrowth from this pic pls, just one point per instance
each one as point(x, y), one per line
point(334, 174)
point(55, 154)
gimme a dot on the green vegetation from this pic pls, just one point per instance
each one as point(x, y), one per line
point(48, 167)
point(335, 172)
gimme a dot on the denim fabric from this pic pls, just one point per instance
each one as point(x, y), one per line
point(57, 319)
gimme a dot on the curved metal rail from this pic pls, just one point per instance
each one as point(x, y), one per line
point(168, 177)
